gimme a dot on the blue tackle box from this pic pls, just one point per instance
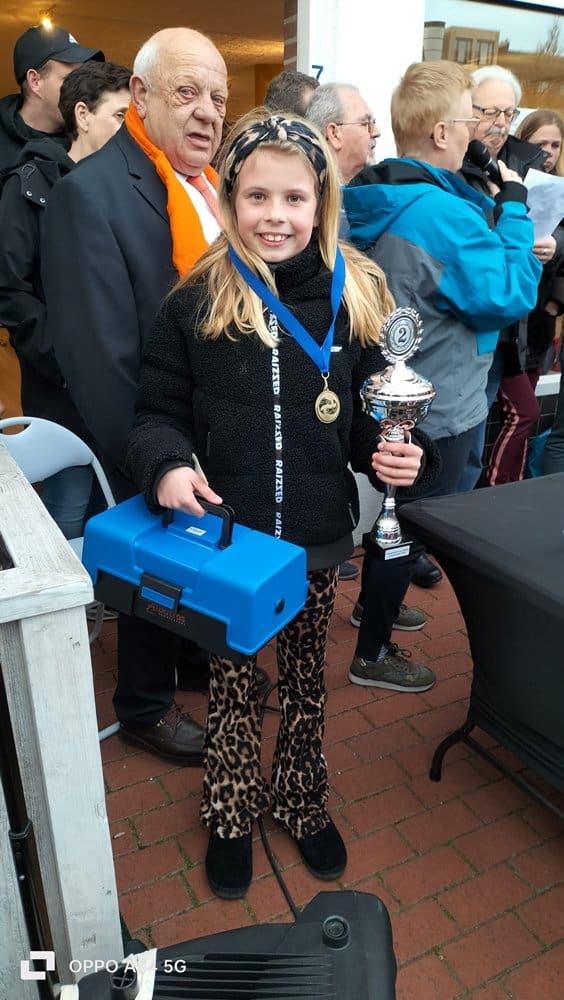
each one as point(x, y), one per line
point(227, 587)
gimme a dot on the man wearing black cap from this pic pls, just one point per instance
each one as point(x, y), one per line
point(43, 57)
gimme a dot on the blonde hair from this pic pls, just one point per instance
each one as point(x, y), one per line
point(424, 96)
point(536, 120)
point(230, 301)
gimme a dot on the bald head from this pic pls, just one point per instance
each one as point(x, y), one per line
point(179, 88)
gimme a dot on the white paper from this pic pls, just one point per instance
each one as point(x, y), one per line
point(545, 200)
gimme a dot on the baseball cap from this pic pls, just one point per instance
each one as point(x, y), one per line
point(41, 43)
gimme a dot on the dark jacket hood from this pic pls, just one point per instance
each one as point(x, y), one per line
point(378, 195)
point(14, 133)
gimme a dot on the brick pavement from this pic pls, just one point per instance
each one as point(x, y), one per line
point(471, 869)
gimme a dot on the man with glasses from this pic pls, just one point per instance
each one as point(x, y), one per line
point(429, 232)
point(346, 120)
point(496, 96)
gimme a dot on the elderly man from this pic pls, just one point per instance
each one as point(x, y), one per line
point(495, 98)
point(43, 57)
point(429, 232)
point(118, 233)
point(345, 119)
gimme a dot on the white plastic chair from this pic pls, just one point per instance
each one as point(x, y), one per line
point(42, 449)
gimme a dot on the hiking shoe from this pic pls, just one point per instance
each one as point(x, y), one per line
point(348, 571)
point(408, 619)
point(394, 672)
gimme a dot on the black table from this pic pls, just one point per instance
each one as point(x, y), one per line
point(503, 551)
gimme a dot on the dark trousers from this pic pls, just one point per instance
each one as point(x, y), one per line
point(147, 658)
point(384, 583)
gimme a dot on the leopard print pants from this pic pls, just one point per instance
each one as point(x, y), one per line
point(235, 793)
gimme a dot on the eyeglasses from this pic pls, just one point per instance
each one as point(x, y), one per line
point(369, 123)
point(472, 123)
point(490, 114)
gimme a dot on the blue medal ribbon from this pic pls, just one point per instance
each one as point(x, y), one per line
point(321, 356)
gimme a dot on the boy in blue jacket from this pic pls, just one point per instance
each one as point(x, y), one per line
point(429, 232)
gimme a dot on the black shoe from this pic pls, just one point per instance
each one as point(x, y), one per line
point(425, 573)
point(348, 571)
point(324, 853)
point(197, 678)
point(229, 865)
point(175, 737)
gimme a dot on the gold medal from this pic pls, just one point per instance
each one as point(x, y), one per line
point(327, 404)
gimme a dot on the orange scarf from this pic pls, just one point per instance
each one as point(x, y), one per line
point(188, 240)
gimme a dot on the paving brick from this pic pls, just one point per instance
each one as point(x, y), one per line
point(346, 725)
point(417, 759)
point(458, 777)
point(381, 810)
point(386, 739)
point(439, 722)
point(542, 820)
point(445, 624)
point(266, 899)
point(122, 838)
point(374, 853)
point(543, 866)
point(183, 781)
point(163, 898)
point(426, 979)
point(384, 710)
point(209, 918)
point(427, 876)
point(135, 799)
point(497, 841)
point(168, 821)
point(544, 916)
point(340, 757)
point(133, 768)
point(541, 978)
point(490, 950)
point(497, 799)
point(366, 779)
point(484, 896)
point(438, 825)
point(147, 864)
point(351, 696)
point(452, 689)
point(420, 928)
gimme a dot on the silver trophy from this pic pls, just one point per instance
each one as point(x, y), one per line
point(398, 399)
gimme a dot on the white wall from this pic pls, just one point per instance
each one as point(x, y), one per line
point(365, 43)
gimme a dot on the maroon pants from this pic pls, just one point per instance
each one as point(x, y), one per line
point(520, 412)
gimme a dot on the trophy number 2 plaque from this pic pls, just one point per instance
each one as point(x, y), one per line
point(398, 399)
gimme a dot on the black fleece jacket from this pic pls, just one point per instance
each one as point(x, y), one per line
point(25, 194)
point(215, 398)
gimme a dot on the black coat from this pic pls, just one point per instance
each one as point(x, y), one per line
point(216, 398)
point(107, 265)
point(25, 193)
point(14, 133)
point(523, 344)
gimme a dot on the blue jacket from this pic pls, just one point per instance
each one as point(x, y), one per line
point(428, 231)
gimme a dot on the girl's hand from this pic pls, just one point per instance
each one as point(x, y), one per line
point(544, 249)
point(178, 487)
point(397, 463)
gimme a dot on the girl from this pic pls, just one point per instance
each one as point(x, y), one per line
point(520, 409)
point(268, 398)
